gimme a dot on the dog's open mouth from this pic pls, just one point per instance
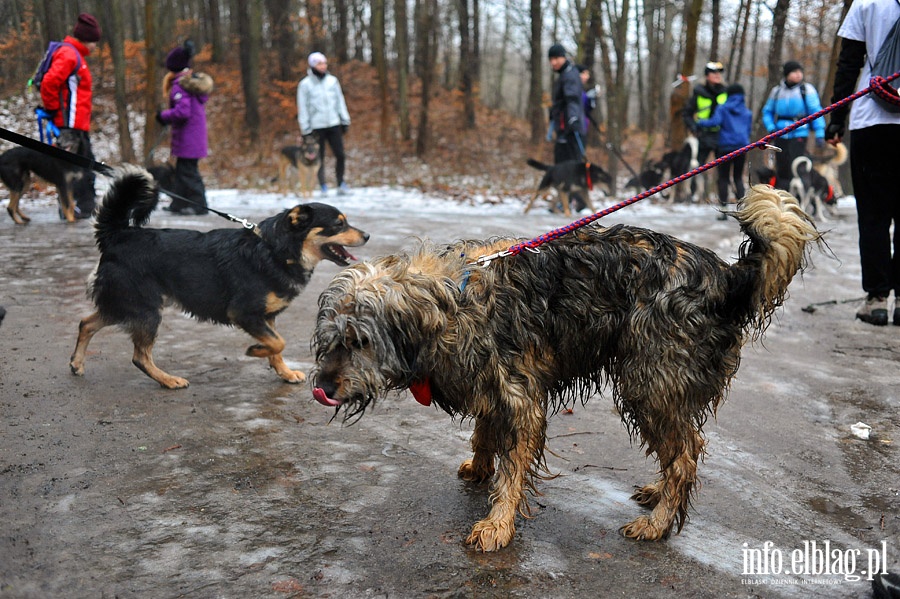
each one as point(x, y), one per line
point(337, 254)
point(320, 396)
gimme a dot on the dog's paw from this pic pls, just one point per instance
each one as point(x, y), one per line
point(646, 496)
point(292, 376)
point(643, 529)
point(491, 535)
point(77, 369)
point(174, 382)
point(469, 473)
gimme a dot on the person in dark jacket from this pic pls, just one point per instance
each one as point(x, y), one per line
point(734, 121)
point(66, 96)
point(791, 100)
point(566, 111)
point(187, 93)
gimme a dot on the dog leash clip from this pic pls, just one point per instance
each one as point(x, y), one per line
point(485, 261)
point(244, 222)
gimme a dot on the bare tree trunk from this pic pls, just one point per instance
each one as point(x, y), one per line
point(218, 35)
point(426, 34)
point(716, 20)
point(380, 60)
point(828, 88)
point(282, 37)
point(535, 111)
point(402, 43)
point(681, 93)
point(250, 27)
point(779, 18)
point(316, 16)
point(151, 80)
point(466, 60)
point(341, 32)
point(116, 40)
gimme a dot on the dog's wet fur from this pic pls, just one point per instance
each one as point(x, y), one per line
point(656, 321)
point(237, 277)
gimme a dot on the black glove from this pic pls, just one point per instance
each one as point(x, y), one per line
point(344, 128)
point(159, 118)
point(834, 130)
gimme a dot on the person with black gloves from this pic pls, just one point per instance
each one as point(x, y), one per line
point(566, 111)
point(874, 156)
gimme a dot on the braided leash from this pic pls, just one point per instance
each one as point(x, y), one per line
point(877, 85)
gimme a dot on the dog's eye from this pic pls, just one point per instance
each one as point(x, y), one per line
point(359, 343)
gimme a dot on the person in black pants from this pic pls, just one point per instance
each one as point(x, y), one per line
point(874, 156)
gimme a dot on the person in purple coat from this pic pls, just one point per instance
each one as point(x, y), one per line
point(187, 93)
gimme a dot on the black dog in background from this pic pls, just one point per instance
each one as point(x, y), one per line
point(569, 178)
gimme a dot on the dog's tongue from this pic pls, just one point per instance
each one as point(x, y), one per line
point(319, 395)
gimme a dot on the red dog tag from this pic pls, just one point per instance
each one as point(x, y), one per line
point(421, 390)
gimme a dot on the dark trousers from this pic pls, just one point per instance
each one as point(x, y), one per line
point(335, 139)
point(790, 149)
point(83, 189)
point(874, 158)
point(733, 169)
point(189, 184)
point(566, 148)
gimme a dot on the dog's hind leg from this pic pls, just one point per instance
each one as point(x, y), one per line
point(143, 336)
point(13, 208)
point(530, 203)
point(270, 346)
point(516, 466)
point(480, 467)
point(87, 328)
point(670, 496)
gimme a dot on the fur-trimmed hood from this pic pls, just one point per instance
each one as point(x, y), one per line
point(197, 84)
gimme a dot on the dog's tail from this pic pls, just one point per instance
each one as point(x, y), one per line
point(778, 232)
point(798, 161)
point(538, 165)
point(129, 201)
point(840, 156)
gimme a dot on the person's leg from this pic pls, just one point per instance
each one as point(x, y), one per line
point(790, 149)
point(336, 142)
point(321, 174)
point(192, 184)
point(737, 169)
point(724, 176)
point(83, 189)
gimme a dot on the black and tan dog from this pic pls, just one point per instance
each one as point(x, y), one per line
point(658, 321)
point(235, 277)
point(19, 164)
point(567, 178)
point(304, 159)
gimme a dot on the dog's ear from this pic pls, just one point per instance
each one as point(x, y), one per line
point(299, 217)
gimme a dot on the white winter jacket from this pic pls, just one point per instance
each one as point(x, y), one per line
point(320, 103)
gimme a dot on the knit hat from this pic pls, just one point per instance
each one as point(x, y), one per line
point(556, 50)
point(86, 29)
point(791, 66)
point(735, 89)
point(178, 59)
point(315, 59)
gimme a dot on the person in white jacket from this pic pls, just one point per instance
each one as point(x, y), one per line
point(321, 109)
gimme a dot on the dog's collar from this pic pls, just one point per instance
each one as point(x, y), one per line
point(421, 391)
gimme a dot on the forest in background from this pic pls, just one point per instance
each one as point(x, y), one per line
point(443, 94)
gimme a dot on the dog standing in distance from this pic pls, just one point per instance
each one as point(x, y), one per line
point(235, 277)
point(19, 164)
point(812, 189)
point(566, 178)
point(829, 169)
point(658, 321)
point(305, 160)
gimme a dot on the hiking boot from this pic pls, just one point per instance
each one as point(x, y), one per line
point(343, 189)
point(874, 311)
point(324, 189)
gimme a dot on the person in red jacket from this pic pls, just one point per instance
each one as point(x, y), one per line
point(66, 94)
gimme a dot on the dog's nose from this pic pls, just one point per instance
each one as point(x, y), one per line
point(328, 387)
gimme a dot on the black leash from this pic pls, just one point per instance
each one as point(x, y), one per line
point(103, 169)
point(609, 146)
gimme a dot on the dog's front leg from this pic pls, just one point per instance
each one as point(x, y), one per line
point(270, 346)
point(480, 467)
point(515, 466)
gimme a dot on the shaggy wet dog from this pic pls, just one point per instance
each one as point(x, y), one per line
point(305, 160)
point(237, 277)
point(18, 165)
point(568, 178)
point(658, 321)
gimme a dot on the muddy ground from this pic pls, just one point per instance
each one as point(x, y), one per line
point(243, 486)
